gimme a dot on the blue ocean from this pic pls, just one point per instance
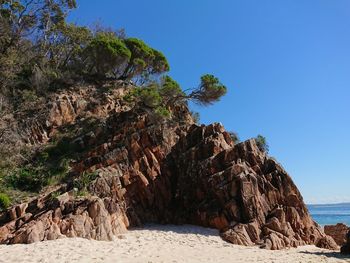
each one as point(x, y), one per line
point(330, 214)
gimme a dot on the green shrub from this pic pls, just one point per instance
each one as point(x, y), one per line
point(4, 201)
point(63, 147)
point(26, 179)
point(148, 96)
point(170, 91)
point(196, 117)
point(262, 143)
point(57, 171)
point(234, 137)
point(84, 180)
point(162, 112)
point(54, 195)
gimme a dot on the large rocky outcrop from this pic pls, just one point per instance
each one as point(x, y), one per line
point(70, 106)
point(241, 191)
point(168, 172)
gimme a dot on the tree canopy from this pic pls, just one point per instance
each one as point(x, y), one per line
point(144, 60)
point(210, 90)
point(167, 93)
point(40, 51)
point(106, 54)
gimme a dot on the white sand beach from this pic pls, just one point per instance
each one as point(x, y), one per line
point(158, 243)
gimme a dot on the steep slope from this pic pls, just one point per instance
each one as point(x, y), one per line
point(164, 172)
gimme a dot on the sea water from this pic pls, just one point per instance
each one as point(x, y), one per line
point(330, 214)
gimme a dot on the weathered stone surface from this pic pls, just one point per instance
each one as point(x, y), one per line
point(327, 242)
point(75, 104)
point(170, 172)
point(251, 191)
point(337, 232)
point(49, 218)
point(345, 249)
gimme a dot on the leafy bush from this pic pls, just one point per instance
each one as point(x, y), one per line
point(5, 201)
point(262, 143)
point(61, 148)
point(49, 166)
point(162, 112)
point(195, 116)
point(54, 160)
point(84, 180)
point(26, 179)
point(106, 54)
point(148, 96)
point(57, 171)
point(234, 137)
point(152, 96)
point(170, 91)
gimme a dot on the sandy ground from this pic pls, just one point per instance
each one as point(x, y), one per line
point(160, 244)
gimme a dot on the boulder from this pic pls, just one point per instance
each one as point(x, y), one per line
point(327, 242)
point(345, 249)
point(337, 232)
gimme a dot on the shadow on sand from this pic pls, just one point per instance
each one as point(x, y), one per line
point(327, 254)
point(180, 229)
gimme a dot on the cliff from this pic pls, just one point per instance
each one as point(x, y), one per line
point(146, 170)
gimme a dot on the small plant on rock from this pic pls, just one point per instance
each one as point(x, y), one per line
point(26, 179)
point(84, 180)
point(262, 143)
point(5, 201)
point(234, 137)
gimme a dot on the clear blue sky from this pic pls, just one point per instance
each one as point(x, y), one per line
point(286, 64)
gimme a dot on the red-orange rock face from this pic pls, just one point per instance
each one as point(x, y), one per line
point(170, 173)
point(338, 232)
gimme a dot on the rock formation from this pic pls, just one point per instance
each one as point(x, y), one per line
point(345, 249)
point(167, 172)
point(337, 232)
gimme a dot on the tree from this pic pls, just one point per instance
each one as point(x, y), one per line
point(68, 43)
point(27, 30)
point(159, 64)
point(30, 19)
point(58, 61)
point(106, 55)
point(210, 90)
point(111, 55)
point(167, 93)
point(145, 61)
point(261, 142)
